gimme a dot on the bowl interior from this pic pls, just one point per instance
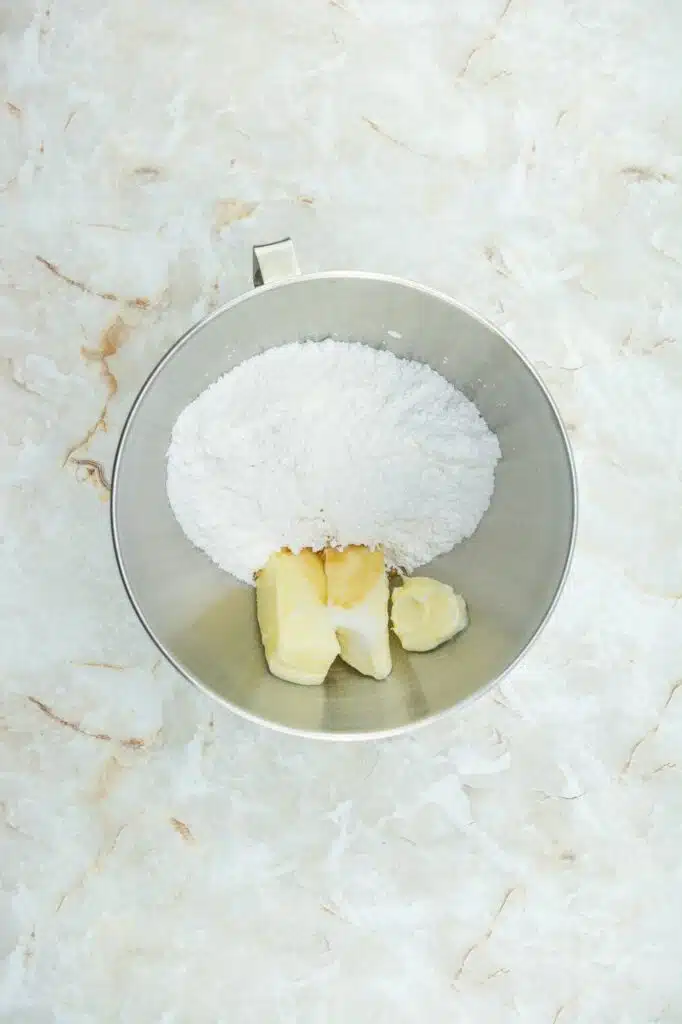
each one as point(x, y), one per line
point(510, 571)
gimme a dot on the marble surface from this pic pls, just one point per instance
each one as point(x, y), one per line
point(164, 861)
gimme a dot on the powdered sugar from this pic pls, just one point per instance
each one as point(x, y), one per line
point(329, 443)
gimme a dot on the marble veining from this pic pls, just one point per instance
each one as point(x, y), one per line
point(164, 861)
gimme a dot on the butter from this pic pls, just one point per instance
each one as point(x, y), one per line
point(297, 632)
point(357, 595)
point(425, 613)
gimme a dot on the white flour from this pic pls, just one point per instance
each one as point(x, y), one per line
point(329, 443)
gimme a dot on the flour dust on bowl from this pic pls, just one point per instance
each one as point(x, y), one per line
point(510, 570)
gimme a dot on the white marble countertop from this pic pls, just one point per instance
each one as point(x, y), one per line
point(164, 861)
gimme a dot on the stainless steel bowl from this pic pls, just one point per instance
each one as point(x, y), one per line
point(511, 571)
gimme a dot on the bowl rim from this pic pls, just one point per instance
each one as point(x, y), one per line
point(373, 734)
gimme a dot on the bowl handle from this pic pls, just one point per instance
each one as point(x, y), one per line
point(274, 262)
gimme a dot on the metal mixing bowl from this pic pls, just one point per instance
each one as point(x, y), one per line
point(511, 571)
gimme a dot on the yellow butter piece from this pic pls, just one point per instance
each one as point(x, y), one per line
point(297, 632)
point(425, 613)
point(357, 595)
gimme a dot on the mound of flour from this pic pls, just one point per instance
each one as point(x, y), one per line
point(328, 444)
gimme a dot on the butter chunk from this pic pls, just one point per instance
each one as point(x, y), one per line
point(425, 613)
point(297, 632)
point(357, 595)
